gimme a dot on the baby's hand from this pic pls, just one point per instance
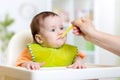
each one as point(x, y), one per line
point(33, 65)
point(78, 64)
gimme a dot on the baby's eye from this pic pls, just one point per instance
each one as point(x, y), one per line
point(61, 28)
point(52, 30)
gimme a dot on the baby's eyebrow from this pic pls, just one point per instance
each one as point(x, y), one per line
point(61, 25)
point(53, 26)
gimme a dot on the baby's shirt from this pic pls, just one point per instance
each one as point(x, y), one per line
point(25, 56)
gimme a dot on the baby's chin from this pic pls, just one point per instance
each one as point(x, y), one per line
point(57, 46)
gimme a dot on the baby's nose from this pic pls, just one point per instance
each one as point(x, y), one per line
point(60, 32)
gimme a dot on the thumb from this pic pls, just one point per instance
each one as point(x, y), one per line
point(41, 64)
point(70, 66)
point(77, 23)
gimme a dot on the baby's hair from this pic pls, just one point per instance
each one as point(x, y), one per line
point(37, 21)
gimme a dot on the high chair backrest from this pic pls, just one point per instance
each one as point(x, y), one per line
point(17, 44)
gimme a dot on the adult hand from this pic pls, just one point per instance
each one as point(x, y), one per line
point(86, 29)
point(83, 27)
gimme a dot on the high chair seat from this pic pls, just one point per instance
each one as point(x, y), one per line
point(17, 44)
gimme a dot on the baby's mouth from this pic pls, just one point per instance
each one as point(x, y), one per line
point(59, 38)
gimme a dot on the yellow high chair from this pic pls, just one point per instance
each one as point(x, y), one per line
point(18, 44)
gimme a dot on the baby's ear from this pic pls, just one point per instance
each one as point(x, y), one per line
point(38, 38)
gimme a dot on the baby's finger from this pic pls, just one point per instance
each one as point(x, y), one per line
point(41, 64)
point(75, 67)
point(28, 66)
point(70, 66)
point(37, 67)
point(79, 67)
point(33, 67)
point(83, 66)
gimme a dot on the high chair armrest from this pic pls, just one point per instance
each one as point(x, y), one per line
point(59, 73)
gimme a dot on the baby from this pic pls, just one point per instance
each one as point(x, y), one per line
point(49, 48)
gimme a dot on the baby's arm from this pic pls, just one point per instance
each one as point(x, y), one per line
point(25, 56)
point(78, 62)
point(25, 60)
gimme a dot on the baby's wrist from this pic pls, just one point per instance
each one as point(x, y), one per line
point(81, 55)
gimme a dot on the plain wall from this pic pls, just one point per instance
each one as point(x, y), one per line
point(105, 20)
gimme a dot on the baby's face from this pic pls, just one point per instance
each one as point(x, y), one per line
point(51, 32)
